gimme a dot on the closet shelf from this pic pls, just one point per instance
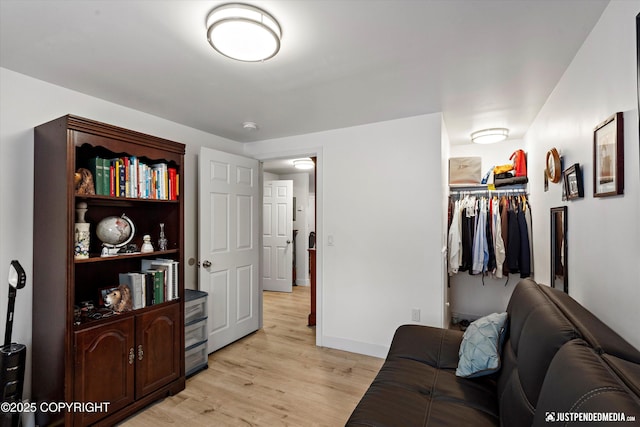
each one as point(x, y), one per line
point(459, 188)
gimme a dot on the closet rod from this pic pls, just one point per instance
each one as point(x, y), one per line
point(505, 191)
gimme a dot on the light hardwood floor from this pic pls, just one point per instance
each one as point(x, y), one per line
point(274, 377)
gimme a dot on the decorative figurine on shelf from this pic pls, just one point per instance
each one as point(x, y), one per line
point(84, 182)
point(163, 243)
point(119, 299)
point(146, 244)
point(81, 233)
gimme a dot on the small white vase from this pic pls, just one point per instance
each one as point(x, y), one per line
point(82, 235)
point(82, 240)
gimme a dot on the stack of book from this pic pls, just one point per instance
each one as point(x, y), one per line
point(155, 283)
point(129, 177)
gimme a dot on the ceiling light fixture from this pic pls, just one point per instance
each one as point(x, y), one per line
point(250, 125)
point(489, 136)
point(243, 32)
point(303, 164)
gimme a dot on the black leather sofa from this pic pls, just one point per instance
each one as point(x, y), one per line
point(559, 362)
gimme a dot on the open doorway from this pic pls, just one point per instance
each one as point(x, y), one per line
point(303, 215)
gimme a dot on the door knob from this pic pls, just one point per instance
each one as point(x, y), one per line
point(288, 242)
point(206, 263)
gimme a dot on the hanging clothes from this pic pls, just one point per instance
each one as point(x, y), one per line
point(490, 235)
point(491, 264)
point(524, 258)
point(467, 218)
point(513, 247)
point(529, 219)
point(504, 223)
point(455, 240)
point(498, 242)
point(480, 250)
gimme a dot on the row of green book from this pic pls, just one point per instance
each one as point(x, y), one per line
point(129, 177)
point(155, 283)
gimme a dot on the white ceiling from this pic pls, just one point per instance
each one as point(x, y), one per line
point(483, 63)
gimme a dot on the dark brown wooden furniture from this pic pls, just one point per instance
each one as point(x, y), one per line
point(294, 274)
point(312, 267)
point(130, 359)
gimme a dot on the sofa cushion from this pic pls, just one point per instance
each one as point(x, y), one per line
point(434, 346)
point(417, 385)
point(481, 346)
point(408, 392)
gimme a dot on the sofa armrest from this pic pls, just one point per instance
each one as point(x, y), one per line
point(580, 382)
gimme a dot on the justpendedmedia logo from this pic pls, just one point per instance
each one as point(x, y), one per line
point(562, 417)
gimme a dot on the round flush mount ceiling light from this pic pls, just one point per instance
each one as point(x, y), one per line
point(250, 126)
point(303, 164)
point(243, 32)
point(489, 136)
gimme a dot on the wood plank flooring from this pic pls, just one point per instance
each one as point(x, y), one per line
point(274, 377)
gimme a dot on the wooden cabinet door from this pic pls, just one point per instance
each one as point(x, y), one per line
point(104, 367)
point(157, 348)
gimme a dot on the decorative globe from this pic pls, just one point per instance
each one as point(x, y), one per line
point(115, 231)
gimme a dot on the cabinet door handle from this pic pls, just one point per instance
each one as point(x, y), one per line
point(140, 352)
point(132, 356)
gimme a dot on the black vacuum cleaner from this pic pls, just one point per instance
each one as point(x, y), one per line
point(12, 355)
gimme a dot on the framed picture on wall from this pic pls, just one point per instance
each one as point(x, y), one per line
point(608, 157)
point(574, 187)
point(638, 65)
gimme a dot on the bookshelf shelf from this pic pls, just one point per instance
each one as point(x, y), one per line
point(124, 201)
point(85, 350)
point(113, 258)
point(89, 323)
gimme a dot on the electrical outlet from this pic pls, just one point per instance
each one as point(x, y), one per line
point(415, 314)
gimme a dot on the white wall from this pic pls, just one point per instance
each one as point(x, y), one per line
point(445, 149)
point(25, 103)
point(469, 298)
point(385, 220)
point(603, 233)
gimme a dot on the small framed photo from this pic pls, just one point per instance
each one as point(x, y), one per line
point(573, 185)
point(608, 157)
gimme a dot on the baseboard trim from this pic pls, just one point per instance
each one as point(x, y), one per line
point(351, 346)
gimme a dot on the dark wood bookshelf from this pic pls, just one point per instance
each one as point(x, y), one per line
point(130, 359)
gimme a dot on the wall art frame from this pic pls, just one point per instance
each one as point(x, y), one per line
point(638, 67)
point(559, 253)
point(608, 157)
point(574, 186)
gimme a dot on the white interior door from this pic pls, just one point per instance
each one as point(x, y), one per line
point(277, 238)
point(228, 245)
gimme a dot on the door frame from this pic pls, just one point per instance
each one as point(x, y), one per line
point(309, 152)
